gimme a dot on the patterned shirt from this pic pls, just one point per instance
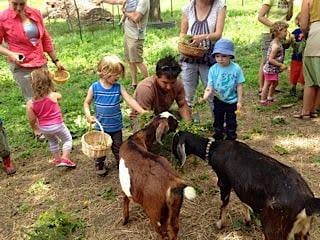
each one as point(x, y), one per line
point(270, 68)
point(208, 25)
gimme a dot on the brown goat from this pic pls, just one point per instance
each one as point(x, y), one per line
point(149, 179)
point(276, 192)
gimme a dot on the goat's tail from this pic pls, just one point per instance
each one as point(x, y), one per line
point(313, 206)
point(189, 192)
point(178, 192)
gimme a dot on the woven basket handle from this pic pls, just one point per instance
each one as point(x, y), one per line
point(100, 126)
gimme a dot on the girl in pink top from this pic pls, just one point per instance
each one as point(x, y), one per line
point(44, 109)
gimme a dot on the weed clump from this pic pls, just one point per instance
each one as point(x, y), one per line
point(56, 225)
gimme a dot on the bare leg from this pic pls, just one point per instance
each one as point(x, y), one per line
point(265, 90)
point(309, 95)
point(261, 77)
point(316, 104)
point(66, 154)
point(56, 155)
point(143, 69)
point(272, 89)
point(133, 72)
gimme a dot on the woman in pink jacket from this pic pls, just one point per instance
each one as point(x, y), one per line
point(26, 38)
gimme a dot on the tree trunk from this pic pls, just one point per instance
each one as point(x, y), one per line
point(155, 13)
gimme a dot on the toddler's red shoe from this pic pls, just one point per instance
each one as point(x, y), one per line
point(65, 162)
point(8, 166)
point(264, 103)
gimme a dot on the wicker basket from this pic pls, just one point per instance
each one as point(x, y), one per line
point(95, 143)
point(190, 51)
point(61, 76)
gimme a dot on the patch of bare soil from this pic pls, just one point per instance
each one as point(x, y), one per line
point(83, 193)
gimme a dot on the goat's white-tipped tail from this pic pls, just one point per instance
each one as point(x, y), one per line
point(189, 192)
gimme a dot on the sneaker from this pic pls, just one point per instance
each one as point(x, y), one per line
point(271, 100)
point(64, 162)
point(264, 103)
point(8, 166)
point(293, 92)
point(101, 168)
point(56, 162)
point(40, 137)
point(277, 91)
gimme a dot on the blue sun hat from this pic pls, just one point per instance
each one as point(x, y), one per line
point(224, 46)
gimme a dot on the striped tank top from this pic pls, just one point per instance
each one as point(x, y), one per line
point(107, 106)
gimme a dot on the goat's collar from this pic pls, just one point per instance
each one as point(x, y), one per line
point(208, 149)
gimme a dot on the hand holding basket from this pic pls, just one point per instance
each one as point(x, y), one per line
point(95, 143)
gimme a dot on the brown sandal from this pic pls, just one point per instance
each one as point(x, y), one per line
point(313, 115)
point(302, 116)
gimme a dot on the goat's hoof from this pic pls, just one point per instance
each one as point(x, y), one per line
point(219, 224)
point(125, 221)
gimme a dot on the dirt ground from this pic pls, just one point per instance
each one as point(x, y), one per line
point(81, 191)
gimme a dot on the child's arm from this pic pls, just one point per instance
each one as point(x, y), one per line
point(55, 96)
point(131, 101)
point(32, 118)
point(206, 93)
point(272, 56)
point(86, 106)
point(240, 94)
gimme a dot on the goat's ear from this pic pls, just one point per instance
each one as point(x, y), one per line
point(161, 130)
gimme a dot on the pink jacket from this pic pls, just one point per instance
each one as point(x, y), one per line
point(12, 32)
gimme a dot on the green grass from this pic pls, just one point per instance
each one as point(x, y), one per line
point(56, 225)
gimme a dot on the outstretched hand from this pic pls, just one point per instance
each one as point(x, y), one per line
point(59, 66)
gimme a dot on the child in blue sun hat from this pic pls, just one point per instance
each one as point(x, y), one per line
point(225, 80)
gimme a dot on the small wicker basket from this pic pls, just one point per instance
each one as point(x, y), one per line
point(95, 143)
point(191, 51)
point(60, 76)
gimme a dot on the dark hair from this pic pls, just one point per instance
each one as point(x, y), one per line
point(168, 67)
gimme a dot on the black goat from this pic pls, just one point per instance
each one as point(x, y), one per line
point(276, 192)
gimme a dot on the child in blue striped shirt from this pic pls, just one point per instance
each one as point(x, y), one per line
point(106, 95)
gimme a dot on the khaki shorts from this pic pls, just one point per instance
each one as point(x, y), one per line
point(22, 76)
point(133, 50)
point(311, 71)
